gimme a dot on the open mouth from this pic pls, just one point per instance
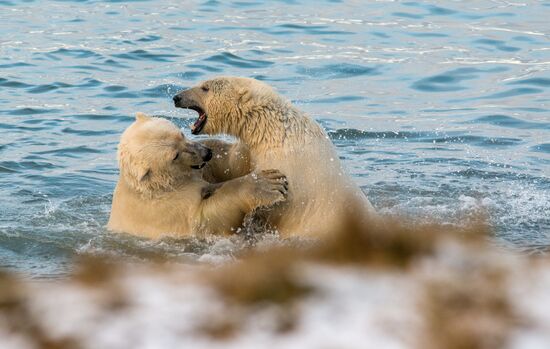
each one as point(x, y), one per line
point(197, 127)
point(198, 167)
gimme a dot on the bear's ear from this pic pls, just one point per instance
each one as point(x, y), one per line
point(144, 174)
point(142, 116)
point(245, 95)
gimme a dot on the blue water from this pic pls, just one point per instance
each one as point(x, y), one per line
point(438, 109)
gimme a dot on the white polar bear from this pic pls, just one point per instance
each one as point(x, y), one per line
point(321, 194)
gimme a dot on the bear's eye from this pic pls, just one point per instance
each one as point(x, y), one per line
point(205, 88)
point(176, 157)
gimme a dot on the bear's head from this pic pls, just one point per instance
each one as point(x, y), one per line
point(155, 156)
point(227, 104)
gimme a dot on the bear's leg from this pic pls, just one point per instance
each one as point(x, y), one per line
point(224, 205)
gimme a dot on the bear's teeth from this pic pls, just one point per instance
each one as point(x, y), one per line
point(199, 123)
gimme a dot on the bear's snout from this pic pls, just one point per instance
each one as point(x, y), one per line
point(188, 99)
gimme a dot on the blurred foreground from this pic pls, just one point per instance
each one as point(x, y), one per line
point(399, 285)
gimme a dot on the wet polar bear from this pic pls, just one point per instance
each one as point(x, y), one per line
point(321, 194)
point(163, 187)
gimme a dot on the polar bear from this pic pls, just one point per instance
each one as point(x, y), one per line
point(162, 188)
point(321, 194)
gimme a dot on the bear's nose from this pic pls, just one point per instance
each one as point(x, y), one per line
point(208, 155)
point(176, 99)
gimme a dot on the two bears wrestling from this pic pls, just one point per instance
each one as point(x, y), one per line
point(283, 166)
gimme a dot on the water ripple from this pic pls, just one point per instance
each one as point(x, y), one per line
point(75, 53)
point(450, 80)
point(16, 65)
point(508, 121)
point(21, 166)
point(513, 92)
point(29, 111)
point(13, 84)
point(73, 152)
point(542, 82)
point(498, 44)
point(49, 87)
point(543, 148)
point(139, 55)
point(337, 71)
point(425, 137)
point(236, 61)
point(89, 133)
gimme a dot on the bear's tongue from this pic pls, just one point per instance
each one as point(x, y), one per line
point(199, 124)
